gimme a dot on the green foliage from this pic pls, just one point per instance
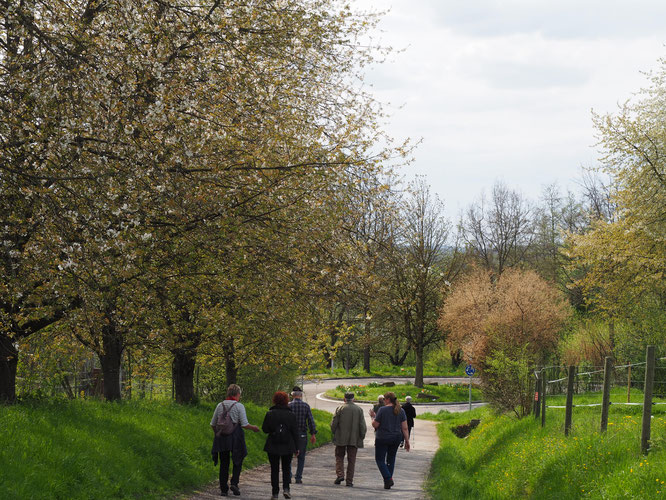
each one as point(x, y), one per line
point(90, 449)
point(437, 364)
point(259, 383)
point(506, 381)
point(589, 340)
point(507, 458)
point(445, 393)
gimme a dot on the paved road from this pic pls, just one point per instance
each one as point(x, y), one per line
point(314, 393)
point(410, 471)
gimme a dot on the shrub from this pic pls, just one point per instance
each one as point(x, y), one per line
point(506, 383)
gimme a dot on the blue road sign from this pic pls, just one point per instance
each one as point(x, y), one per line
point(469, 370)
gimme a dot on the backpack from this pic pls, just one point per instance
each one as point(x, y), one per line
point(281, 435)
point(224, 425)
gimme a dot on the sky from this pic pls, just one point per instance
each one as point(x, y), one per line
point(504, 90)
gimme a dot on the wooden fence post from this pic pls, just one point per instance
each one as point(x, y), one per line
point(569, 407)
point(605, 400)
point(537, 401)
point(629, 383)
point(539, 395)
point(647, 399)
point(544, 385)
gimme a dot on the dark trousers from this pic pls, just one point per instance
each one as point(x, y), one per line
point(340, 462)
point(385, 457)
point(300, 460)
point(275, 471)
point(225, 458)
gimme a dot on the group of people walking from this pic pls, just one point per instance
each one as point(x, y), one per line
point(287, 426)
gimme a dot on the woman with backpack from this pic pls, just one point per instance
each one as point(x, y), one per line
point(282, 429)
point(228, 422)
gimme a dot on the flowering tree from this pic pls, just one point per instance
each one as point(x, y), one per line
point(503, 324)
point(155, 145)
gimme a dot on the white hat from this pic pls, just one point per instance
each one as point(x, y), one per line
point(408, 399)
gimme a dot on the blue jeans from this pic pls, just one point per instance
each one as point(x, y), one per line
point(302, 445)
point(385, 452)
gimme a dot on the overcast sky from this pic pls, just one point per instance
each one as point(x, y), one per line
point(503, 90)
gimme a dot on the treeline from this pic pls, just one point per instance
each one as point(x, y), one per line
point(204, 184)
point(605, 251)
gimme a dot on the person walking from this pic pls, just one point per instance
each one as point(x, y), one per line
point(282, 429)
point(348, 428)
point(231, 447)
point(410, 413)
point(391, 425)
point(305, 422)
point(377, 406)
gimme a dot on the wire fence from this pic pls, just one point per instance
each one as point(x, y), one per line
point(646, 378)
point(90, 384)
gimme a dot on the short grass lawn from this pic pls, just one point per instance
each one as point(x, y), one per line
point(445, 393)
point(431, 370)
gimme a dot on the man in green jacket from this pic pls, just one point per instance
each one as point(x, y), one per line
point(348, 428)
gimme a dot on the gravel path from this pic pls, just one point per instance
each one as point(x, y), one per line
point(410, 471)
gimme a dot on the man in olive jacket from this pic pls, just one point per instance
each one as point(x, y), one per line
point(348, 428)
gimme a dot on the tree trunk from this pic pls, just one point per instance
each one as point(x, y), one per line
point(366, 348)
point(182, 371)
point(419, 337)
point(230, 362)
point(418, 378)
point(8, 364)
point(456, 358)
point(110, 359)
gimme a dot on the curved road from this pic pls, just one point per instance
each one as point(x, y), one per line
point(314, 393)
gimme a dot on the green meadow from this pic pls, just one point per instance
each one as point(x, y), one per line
point(509, 458)
point(137, 449)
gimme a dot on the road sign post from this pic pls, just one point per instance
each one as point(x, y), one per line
point(469, 371)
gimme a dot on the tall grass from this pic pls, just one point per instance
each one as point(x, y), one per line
point(509, 458)
point(90, 449)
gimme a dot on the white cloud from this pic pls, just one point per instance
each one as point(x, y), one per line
point(504, 89)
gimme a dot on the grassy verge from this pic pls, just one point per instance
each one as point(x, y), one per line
point(90, 449)
point(444, 393)
point(393, 371)
point(509, 458)
point(437, 364)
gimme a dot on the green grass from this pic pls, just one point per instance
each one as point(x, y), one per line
point(432, 368)
point(388, 371)
point(90, 449)
point(370, 392)
point(509, 458)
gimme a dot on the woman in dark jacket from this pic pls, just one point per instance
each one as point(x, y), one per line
point(282, 429)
